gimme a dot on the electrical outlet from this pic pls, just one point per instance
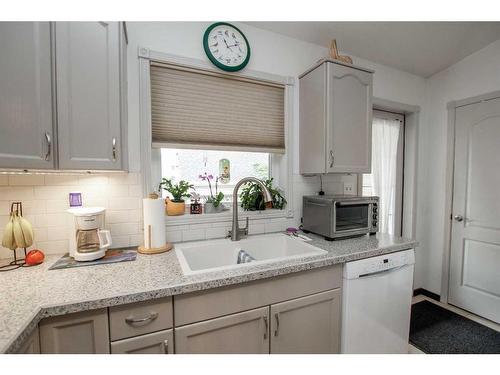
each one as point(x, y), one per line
point(349, 188)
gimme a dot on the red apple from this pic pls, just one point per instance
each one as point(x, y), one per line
point(34, 257)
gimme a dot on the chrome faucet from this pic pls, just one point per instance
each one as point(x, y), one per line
point(236, 233)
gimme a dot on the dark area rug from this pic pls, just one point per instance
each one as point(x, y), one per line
point(436, 330)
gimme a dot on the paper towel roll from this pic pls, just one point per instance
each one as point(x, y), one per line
point(154, 216)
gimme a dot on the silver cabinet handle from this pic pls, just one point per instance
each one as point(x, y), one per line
point(332, 159)
point(165, 346)
point(458, 218)
point(49, 146)
point(113, 142)
point(266, 327)
point(277, 330)
point(152, 316)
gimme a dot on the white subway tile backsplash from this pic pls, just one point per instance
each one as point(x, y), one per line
point(216, 232)
point(193, 235)
point(123, 203)
point(16, 193)
point(124, 229)
point(136, 240)
point(4, 180)
point(61, 180)
point(53, 247)
point(93, 180)
point(174, 236)
point(26, 180)
point(54, 192)
point(57, 233)
point(51, 220)
point(121, 241)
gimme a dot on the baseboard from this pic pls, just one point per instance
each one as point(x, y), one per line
point(426, 293)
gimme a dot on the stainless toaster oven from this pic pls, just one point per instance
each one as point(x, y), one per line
point(338, 216)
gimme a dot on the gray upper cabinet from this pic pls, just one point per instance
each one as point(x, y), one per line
point(89, 95)
point(335, 119)
point(26, 123)
point(307, 325)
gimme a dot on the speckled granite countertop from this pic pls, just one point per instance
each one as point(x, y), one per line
point(28, 295)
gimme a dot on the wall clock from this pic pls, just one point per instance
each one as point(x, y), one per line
point(226, 46)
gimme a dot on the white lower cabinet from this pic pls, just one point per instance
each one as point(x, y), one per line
point(154, 343)
point(307, 325)
point(242, 333)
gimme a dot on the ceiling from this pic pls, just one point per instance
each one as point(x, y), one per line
point(421, 48)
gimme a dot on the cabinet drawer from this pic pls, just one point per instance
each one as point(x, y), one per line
point(155, 343)
point(195, 307)
point(140, 318)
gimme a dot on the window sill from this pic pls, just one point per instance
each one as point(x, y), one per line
point(226, 216)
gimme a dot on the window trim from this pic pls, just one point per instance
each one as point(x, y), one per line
point(280, 166)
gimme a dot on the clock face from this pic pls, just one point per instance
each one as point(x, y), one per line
point(226, 46)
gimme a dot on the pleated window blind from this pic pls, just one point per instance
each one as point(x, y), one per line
point(197, 108)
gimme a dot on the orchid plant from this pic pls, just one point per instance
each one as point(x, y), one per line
point(216, 198)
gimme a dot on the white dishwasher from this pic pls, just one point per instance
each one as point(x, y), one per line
point(376, 304)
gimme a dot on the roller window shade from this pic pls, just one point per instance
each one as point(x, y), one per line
point(194, 108)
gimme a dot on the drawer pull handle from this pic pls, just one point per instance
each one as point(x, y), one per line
point(332, 159)
point(277, 330)
point(152, 316)
point(266, 327)
point(165, 346)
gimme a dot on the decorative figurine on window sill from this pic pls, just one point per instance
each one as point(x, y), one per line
point(196, 206)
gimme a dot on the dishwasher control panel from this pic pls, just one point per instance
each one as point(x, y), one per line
point(365, 267)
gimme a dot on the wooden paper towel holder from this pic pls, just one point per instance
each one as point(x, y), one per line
point(154, 250)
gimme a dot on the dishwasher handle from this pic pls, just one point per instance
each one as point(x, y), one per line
point(378, 273)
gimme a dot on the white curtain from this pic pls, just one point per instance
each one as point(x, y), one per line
point(384, 163)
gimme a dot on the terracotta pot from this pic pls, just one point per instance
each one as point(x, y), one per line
point(174, 208)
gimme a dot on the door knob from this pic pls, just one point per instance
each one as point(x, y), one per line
point(458, 218)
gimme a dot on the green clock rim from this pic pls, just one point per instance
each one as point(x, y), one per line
point(213, 59)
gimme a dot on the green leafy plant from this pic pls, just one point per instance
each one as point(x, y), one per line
point(252, 199)
point(178, 191)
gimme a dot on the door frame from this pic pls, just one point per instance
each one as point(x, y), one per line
point(450, 174)
point(412, 119)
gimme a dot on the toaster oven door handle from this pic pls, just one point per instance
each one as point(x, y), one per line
point(319, 204)
point(353, 203)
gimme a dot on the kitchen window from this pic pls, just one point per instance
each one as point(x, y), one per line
point(186, 164)
point(201, 120)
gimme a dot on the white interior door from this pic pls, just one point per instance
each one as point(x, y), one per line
point(475, 243)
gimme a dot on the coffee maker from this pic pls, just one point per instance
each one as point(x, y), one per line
point(88, 240)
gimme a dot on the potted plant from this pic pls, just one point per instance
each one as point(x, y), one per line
point(176, 206)
point(213, 203)
point(252, 199)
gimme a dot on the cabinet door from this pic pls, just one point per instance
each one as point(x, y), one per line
point(80, 333)
point(26, 136)
point(307, 325)
point(88, 95)
point(242, 333)
point(154, 343)
point(349, 120)
point(31, 345)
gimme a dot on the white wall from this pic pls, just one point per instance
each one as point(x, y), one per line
point(477, 74)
